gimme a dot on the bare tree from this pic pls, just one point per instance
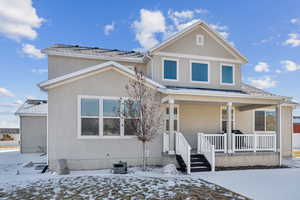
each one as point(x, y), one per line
point(143, 110)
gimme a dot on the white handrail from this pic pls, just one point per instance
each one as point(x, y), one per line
point(218, 140)
point(254, 142)
point(183, 149)
point(205, 147)
point(166, 143)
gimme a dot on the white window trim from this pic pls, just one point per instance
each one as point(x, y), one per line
point(208, 71)
point(266, 110)
point(233, 73)
point(163, 69)
point(221, 119)
point(200, 40)
point(100, 117)
point(167, 117)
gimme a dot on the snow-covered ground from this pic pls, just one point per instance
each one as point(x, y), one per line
point(257, 184)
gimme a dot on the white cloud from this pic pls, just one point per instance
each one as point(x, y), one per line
point(295, 21)
point(6, 92)
point(32, 51)
point(150, 23)
point(201, 11)
point(263, 82)
point(108, 28)
point(293, 41)
point(222, 30)
point(290, 65)
point(278, 71)
point(39, 71)
point(14, 104)
point(30, 97)
point(185, 14)
point(184, 25)
point(262, 67)
point(19, 19)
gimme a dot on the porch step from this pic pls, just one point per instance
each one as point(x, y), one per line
point(198, 163)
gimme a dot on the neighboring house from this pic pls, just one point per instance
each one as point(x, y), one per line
point(296, 123)
point(33, 125)
point(9, 137)
point(199, 77)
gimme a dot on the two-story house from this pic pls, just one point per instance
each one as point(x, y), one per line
point(211, 117)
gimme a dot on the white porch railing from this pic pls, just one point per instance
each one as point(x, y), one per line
point(218, 140)
point(241, 142)
point(183, 149)
point(166, 143)
point(205, 147)
point(254, 142)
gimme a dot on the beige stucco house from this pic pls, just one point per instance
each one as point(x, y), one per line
point(211, 117)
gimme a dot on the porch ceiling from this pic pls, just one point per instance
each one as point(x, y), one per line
point(240, 104)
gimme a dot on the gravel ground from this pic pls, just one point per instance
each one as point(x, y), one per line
point(118, 187)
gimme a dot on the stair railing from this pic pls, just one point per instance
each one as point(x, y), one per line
point(183, 149)
point(166, 142)
point(207, 149)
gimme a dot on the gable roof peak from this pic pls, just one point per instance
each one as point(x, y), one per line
point(227, 45)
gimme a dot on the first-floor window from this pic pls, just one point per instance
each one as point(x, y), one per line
point(104, 116)
point(90, 117)
point(264, 121)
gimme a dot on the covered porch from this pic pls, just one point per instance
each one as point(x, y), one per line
point(223, 126)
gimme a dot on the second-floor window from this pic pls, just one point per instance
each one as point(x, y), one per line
point(227, 74)
point(170, 69)
point(200, 72)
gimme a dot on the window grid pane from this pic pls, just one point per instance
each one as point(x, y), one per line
point(111, 108)
point(111, 127)
point(260, 121)
point(170, 69)
point(270, 121)
point(89, 126)
point(89, 107)
point(199, 72)
point(227, 74)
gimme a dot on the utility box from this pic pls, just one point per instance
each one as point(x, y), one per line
point(120, 168)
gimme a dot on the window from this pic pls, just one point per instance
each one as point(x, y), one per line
point(104, 116)
point(200, 40)
point(111, 117)
point(199, 72)
point(176, 118)
point(264, 121)
point(224, 119)
point(89, 117)
point(227, 74)
point(170, 69)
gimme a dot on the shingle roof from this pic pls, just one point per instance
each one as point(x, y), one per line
point(92, 51)
point(9, 131)
point(33, 107)
point(255, 91)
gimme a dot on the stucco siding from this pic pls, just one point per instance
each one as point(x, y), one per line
point(197, 118)
point(187, 45)
point(184, 74)
point(60, 65)
point(91, 153)
point(33, 134)
point(287, 130)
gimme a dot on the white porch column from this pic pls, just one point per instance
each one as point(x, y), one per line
point(278, 132)
point(171, 127)
point(229, 127)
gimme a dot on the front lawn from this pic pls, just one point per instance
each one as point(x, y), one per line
point(118, 187)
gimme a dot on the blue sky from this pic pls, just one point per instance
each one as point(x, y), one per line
point(267, 33)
